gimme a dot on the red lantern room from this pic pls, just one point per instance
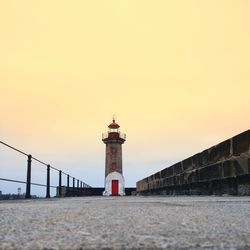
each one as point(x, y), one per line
point(113, 133)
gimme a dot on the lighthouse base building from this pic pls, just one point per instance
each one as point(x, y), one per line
point(114, 184)
point(114, 180)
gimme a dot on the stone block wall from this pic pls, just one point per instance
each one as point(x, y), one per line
point(221, 169)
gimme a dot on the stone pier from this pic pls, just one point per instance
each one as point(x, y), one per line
point(221, 169)
point(176, 222)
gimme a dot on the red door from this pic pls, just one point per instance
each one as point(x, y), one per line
point(115, 184)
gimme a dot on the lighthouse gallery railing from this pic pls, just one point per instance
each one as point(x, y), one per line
point(121, 135)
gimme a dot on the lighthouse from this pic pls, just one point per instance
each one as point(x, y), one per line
point(114, 180)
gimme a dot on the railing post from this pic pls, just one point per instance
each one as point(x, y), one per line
point(81, 184)
point(48, 182)
point(28, 181)
point(68, 181)
point(77, 187)
point(60, 183)
point(73, 182)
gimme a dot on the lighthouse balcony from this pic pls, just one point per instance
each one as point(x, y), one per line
point(114, 136)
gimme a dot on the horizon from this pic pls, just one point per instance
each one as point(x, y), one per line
point(41, 194)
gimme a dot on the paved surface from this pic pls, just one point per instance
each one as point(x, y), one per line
point(126, 222)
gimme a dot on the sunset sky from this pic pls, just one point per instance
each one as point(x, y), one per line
point(175, 73)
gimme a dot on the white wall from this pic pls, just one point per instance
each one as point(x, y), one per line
point(108, 184)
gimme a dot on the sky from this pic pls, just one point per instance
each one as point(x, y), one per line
point(175, 73)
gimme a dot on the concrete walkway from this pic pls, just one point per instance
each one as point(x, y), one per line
point(126, 223)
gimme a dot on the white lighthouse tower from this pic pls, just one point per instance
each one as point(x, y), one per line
point(114, 180)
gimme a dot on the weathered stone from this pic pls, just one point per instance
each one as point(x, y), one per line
point(151, 178)
point(241, 143)
point(244, 189)
point(171, 180)
point(243, 184)
point(182, 179)
point(168, 181)
point(185, 178)
point(177, 179)
point(177, 168)
point(197, 160)
point(164, 182)
point(196, 174)
point(229, 186)
point(249, 165)
point(205, 157)
point(228, 169)
point(241, 166)
point(151, 185)
point(157, 175)
point(187, 163)
point(158, 183)
point(193, 177)
point(219, 152)
point(211, 172)
point(171, 171)
point(235, 167)
point(164, 173)
point(154, 185)
point(201, 159)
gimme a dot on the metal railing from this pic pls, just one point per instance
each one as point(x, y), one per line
point(80, 184)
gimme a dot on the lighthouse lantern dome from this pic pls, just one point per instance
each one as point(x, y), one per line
point(114, 125)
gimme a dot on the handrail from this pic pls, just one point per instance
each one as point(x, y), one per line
point(24, 182)
point(7, 145)
point(29, 183)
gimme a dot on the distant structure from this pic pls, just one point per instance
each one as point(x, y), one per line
point(19, 191)
point(114, 180)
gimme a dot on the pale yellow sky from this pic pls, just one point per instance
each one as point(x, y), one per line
point(175, 73)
